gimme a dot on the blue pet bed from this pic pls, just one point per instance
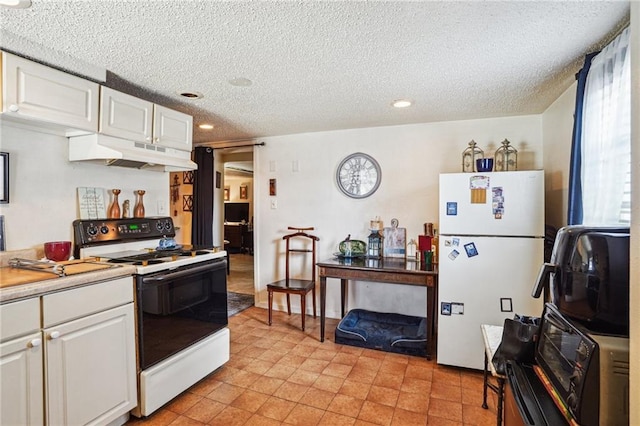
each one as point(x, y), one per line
point(383, 331)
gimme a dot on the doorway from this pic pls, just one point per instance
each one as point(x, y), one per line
point(238, 225)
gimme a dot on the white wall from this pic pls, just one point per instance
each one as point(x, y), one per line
point(557, 130)
point(43, 201)
point(411, 158)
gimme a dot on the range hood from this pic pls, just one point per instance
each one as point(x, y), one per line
point(112, 151)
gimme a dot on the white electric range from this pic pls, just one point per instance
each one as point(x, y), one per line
point(181, 302)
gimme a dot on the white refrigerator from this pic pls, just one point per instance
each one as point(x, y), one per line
point(490, 249)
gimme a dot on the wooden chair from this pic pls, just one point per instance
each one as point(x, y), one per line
point(291, 286)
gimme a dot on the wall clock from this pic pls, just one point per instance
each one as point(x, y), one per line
point(358, 175)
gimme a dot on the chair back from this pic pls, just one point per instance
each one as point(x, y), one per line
point(301, 234)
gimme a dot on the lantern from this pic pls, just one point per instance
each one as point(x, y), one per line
point(469, 157)
point(506, 157)
point(374, 246)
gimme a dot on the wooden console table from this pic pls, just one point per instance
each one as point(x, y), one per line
point(385, 270)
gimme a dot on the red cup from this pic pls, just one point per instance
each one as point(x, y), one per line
point(57, 250)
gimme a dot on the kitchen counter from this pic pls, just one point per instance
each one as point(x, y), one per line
point(44, 282)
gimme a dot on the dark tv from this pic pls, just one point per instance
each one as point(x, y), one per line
point(236, 212)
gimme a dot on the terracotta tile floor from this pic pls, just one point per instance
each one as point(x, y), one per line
point(281, 375)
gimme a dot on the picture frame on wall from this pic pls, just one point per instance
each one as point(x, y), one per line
point(187, 203)
point(227, 193)
point(243, 192)
point(272, 186)
point(4, 175)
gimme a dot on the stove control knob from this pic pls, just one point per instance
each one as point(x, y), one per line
point(92, 230)
point(159, 226)
point(167, 226)
point(104, 229)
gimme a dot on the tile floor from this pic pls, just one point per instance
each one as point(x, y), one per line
point(281, 375)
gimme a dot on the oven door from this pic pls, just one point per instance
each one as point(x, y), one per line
point(177, 308)
point(564, 354)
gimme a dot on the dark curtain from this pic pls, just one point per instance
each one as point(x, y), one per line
point(574, 213)
point(202, 218)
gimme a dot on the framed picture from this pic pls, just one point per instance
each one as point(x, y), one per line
point(243, 192)
point(227, 195)
point(187, 177)
point(4, 175)
point(394, 240)
point(187, 203)
point(272, 186)
point(218, 179)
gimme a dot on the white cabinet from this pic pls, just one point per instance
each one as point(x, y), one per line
point(87, 347)
point(90, 360)
point(32, 91)
point(127, 117)
point(90, 364)
point(21, 373)
point(172, 129)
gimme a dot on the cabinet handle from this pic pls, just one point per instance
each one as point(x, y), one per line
point(14, 108)
point(35, 343)
point(156, 139)
point(54, 335)
point(148, 138)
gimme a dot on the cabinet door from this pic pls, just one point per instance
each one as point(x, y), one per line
point(90, 368)
point(172, 129)
point(125, 116)
point(35, 91)
point(22, 381)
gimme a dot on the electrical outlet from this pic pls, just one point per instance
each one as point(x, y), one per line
point(274, 204)
point(162, 209)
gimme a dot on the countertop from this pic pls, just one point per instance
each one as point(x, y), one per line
point(51, 283)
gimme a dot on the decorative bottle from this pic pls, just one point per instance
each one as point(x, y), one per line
point(114, 208)
point(138, 210)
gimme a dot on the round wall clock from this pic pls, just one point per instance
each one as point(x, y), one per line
point(358, 175)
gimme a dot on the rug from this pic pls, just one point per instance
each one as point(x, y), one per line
point(238, 302)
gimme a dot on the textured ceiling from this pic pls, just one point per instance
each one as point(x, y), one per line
point(319, 65)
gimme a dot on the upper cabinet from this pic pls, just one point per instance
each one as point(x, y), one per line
point(34, 91)
point(127, 117)
point(172, 128)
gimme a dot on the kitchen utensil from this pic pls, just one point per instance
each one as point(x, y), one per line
point(57, 250)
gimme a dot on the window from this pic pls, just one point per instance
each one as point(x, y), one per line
point(606, 137)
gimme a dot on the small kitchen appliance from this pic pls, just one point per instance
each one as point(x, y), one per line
point(586, 373)
point(181, 302)
point(589, 277)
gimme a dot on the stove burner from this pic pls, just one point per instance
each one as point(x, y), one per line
point(159, 256)
point(193, 252)
point(136, 262)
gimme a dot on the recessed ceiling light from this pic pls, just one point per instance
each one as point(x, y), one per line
point(191, 95)
point(401, 103)
point(206, 126)
point(240, 82)
point(16, 4)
